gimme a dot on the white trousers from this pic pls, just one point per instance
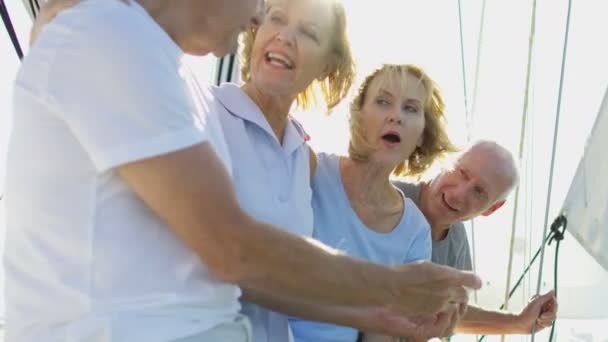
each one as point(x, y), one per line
point(237, 331)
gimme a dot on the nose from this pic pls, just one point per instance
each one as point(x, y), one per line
point(458, 194)
point(285, 36)
point(393, 119)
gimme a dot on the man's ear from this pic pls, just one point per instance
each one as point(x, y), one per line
point(493, 208)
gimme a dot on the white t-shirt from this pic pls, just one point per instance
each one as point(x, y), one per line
point(86, 259)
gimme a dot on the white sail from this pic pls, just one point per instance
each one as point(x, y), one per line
point(586, 205)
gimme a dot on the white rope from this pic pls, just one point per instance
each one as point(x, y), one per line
point(470, 115)
point(520, 155)
point(477, 63)
point(555, 131)
point(521, 150)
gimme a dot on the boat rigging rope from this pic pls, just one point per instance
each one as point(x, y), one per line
point(8, 24)
point(469, 116)
point(555, 131)
point(521, 150)
point(554, 235)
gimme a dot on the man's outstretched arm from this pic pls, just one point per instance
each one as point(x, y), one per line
point(191, 191)
point(541, 311)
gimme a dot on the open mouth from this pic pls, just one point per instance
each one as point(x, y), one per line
point(279, 60)
point(392, 138)
point(445, 202)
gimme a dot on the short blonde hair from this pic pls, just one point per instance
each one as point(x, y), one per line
point(435, 141)
point(336, 84)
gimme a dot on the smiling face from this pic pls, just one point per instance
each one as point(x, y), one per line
point(292, 46)
point(476, 185)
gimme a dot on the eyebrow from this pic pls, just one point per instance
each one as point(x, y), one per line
point(385, 92)
point(481, 183)
point(408, 100)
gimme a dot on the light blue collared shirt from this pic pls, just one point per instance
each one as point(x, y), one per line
point(272, 182)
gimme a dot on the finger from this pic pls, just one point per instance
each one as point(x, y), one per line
point(442, 325)
point(549, 319)
point(542, 325)
point(546, 320)
point(454, 319)
point(458, 295)
point(463, 278)
point(548, 315)
point(462, 309)
point(550, 293)
point(546, 298)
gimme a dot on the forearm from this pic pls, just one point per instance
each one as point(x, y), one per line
point(289, 266)
point(205, 214)
point(340, 315)
point(481, 321)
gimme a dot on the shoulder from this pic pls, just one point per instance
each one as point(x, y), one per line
point(326, 171)
point(112, 31)
point(457, 232)
point(410, 190)
point(327, 161)
point(457, 238)
point(231, 98)
point(412, 209)
point(415, 217)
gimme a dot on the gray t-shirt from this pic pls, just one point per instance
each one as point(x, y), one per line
point(452, 251)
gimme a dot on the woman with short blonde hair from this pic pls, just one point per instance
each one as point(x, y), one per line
point(397, 127)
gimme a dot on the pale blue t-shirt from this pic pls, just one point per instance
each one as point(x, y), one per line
point(336, 224)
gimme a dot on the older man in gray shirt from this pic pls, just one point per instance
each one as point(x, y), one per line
point(477, 184)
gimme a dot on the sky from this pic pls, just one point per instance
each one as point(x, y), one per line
point(427, 33)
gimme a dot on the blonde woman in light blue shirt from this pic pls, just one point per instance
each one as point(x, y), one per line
point(397, 128)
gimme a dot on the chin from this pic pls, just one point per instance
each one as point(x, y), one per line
point(272, 86)
point(195, 50)
point(223, 51)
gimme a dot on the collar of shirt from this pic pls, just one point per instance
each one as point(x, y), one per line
point(239, 104)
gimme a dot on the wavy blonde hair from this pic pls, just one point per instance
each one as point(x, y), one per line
point(435, 141)
point(335, 85)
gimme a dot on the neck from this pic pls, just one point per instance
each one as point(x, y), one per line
point(274, 107)
point(439, 231)
point(171, 17)
point(367, 182)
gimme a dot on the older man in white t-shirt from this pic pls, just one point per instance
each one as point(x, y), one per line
point(86, 259)
point(122, 224)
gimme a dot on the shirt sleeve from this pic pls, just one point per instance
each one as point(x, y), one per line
point(463, 261)
point(117, 86)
